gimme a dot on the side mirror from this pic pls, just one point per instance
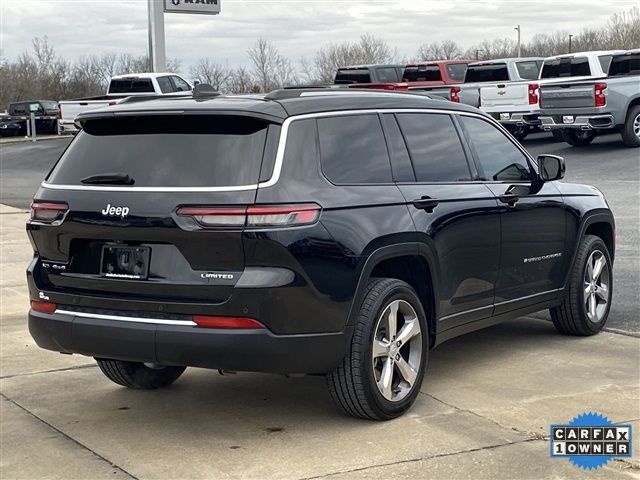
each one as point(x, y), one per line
point(551, 167)
point(196, 82)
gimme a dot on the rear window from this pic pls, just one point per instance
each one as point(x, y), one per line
point(422, 73)
point(131, 85)
point(528, 70)
point(457, 71)
point(495, 72)
point(352, 75)
point(167, 151)
point(566, 67)
point(625, 65)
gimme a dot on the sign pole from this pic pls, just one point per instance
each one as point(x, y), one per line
point(157, 55)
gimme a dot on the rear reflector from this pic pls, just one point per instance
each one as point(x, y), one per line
point(242, 323)
point(600, 97)
point(533, 93)
point(253, 217)
point(45, 212)
point(43, 307)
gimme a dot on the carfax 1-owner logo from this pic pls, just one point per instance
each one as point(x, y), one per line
point(590, 440)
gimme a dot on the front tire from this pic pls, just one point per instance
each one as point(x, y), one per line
point(381, 375)
point(587, 302)
point(631, 130)
point(578, 138)
point(137, 375)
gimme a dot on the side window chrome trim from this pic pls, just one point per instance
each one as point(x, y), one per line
point(277, 168)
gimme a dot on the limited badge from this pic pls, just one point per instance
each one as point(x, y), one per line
point(590, 440)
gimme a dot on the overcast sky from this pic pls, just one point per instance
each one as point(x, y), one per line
point(297, 27)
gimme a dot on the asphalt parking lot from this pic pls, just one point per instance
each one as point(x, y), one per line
point(484, 410)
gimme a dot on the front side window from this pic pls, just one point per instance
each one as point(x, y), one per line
point(353, 150)
point(434, 147)
point(181, 85)
point(165, 84)
point(498, 158)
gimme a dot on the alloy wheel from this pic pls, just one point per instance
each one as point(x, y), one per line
point(596, 286)
point(397, 350)
point(636, 125)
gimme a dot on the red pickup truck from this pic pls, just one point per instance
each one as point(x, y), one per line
point(425, 74)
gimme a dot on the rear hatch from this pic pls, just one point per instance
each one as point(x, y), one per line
point(148, 198)
point(568, 94)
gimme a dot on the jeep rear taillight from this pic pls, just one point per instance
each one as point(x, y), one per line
point(600, 97)
point(454, 94)
point(256, 216)
point(533, 93)
point(49, 213)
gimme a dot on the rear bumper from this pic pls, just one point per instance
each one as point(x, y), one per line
point(188, 345)
point(580, 122)
point(67, 127)
point(518, 119)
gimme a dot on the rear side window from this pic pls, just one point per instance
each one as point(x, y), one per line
point(165, 84)
point(496, 72)
point(528, 70)
point(167, 151)
point(625, 65)
point(499, 159)
point(457, 71)
point(353, 150)
point(422, 73)
point(353, 75)
point(566, 67)
point(434, 147)
point(18, 109)
point(131, 85)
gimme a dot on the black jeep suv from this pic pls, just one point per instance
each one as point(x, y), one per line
point(305, 231)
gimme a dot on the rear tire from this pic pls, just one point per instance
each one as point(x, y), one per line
point(519, 133)
point(381, 374)
point(138, 375)
point(578, 138)
point(585, 307)
point(631, 130)
point(557, 135)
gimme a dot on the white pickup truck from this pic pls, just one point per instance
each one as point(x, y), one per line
point(121, 87)
point(517, 105)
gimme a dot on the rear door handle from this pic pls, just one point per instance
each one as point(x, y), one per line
point(425, 203)
point(509, 198)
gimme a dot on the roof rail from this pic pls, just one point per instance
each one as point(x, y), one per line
point(204, 90)
point(146, 98)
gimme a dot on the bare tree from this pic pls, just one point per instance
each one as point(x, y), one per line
point(240, 82)
point(445, 50)
point(271, 69)
point(215, 74)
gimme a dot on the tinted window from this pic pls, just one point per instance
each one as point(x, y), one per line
point(180, 84)
point(386, 75)
point(353, 150)
point(528, 70)
point(167, 151)
point(400, 161)
point(625, 65)
point(499, 159)
point(605, 61)
point(165, 84)
point(457, 71)
point(566, 67)
point(18, 108)
point(422, 73)
point(353, 75)
point(496, 72)
point(131, 85)
point(435, 148)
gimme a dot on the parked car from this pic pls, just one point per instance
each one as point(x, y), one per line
point(310, 231)
point(478, 74)
point(517, 104)
point(120, 87)
point(390, 73)
point(46, 112)
point(580, 109)
point(440, 72)
point(9, 126)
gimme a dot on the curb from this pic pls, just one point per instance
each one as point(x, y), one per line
point(10, 141)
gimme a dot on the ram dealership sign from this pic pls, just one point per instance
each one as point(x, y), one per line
point(207, 7)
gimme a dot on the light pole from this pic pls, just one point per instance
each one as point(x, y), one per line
point(518, 29)
point(570, 35)
point(157, 58)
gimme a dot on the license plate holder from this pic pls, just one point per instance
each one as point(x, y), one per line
point(125, 262)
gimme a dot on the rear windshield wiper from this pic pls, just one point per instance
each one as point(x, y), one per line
point(109, 179)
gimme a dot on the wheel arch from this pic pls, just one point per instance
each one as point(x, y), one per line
point(411, 262)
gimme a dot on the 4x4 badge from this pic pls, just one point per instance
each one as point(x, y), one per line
point(111, 210)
